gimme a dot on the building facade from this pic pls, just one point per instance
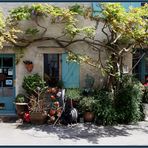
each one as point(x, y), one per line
point(48, 60)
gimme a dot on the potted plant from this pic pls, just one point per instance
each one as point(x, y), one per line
point(74, 95)
point(36, 89)
point(37, 107)
point(31, 82)
point(21, 105)
point(87, 105)
point(28, 65)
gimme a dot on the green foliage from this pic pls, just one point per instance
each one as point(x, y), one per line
point(145, 96)
point(19, 54)
point(87, 104)
point(32, 31)
point(73, 93)
point(27, 12)
point(104, 108)
point(2, 23)
point(77, 8)
point(7, 32)
point(60, 84)
point(130, 25)
point(89, 31)
point(89, 81)
point(57, 15)
point(20, 13)
point(32, 82)
point(20, 98)
point(128, 101)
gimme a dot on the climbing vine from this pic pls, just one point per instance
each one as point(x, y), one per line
point(124, 31)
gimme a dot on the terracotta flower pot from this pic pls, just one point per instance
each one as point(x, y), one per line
point(21, 108)
point(38, 117)
point(29, 67)
point(88, 116)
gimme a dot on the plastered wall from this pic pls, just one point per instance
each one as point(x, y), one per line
point(35, 51)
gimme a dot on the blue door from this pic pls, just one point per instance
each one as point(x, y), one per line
point(70, 73)
point(7, 85)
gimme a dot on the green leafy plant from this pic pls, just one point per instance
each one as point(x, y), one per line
point(73, 93)
point(77, 8)
point(128, 100)
point(31, 82)
point(87, 104)
point(20, 98)
point(104, 109)
point(145, 96)
point(32, 31)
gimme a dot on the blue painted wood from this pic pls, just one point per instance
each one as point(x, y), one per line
point(127, 5)
point(8, 100)
point(70, 73)
point(96, 8)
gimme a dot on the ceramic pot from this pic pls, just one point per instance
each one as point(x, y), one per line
point(29, 67)
point(88, 116)
point(21, 108)
point(38, 117)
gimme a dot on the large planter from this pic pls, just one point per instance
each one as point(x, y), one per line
point(145, 111)
point(88, 116)
point(21, 108)
point(38, 117)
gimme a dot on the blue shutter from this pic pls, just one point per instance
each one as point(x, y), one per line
point(96, 8)
point(136, 4)
point(128, 4)
point(70, 73)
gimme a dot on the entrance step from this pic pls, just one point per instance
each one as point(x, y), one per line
point(8, 118)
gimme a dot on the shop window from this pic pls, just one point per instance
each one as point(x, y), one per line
point(7, 62)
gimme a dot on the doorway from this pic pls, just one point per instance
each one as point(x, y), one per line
point(7, 85)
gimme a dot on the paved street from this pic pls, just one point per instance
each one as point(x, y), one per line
point(80, 134)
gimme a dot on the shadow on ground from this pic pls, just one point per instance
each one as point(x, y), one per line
point(89, 132)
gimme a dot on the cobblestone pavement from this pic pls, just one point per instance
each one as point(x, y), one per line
point(80, 134)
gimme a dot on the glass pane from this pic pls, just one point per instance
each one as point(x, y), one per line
point(146, 65)
point(1, 92)
point(8, 62)
point(51, 69)
point(7, 92)
point(0, 62)
point(0, 83)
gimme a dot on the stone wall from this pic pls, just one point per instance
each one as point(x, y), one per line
point(35, 51)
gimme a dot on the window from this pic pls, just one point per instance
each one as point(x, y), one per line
point(142, 4)
point(52, 70)
point(140, 64)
